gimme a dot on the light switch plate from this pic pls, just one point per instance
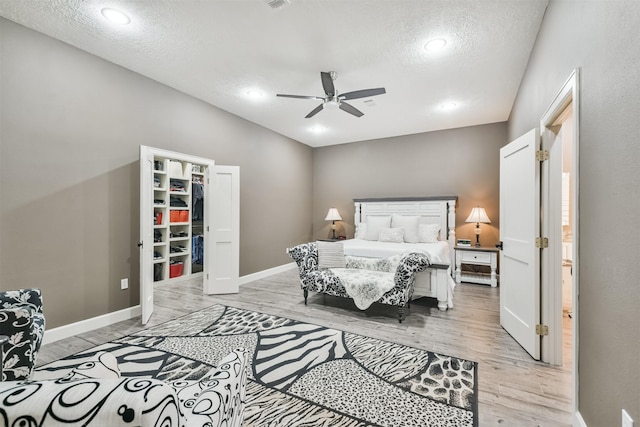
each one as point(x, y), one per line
point(124, 284)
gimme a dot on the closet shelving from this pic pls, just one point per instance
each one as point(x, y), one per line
point(173, 225)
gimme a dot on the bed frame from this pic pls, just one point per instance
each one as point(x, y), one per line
point(434, 282)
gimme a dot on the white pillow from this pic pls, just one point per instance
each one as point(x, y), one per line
point(361, 230)
point(428, 233)
point(410, 225)
point(330, 255)
point(374, 224)
point(392, 235)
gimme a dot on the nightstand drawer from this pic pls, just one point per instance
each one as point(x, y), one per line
point(475, 257)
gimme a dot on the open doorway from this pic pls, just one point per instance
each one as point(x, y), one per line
point(566, 124)
point(559, 222)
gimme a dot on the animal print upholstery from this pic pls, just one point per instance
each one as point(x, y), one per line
point(326, 281)
point(22, 320)
point(111, 400)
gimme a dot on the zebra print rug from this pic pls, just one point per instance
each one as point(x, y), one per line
point(303, 374)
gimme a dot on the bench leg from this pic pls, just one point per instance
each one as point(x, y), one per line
point(400, 313)
point(306, 294)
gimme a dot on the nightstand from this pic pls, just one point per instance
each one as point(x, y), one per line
point(477, 256)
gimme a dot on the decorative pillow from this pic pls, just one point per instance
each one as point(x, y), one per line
point(392, 235)
point(428, 233)
point(409, 224)
point(361, 230)
point(374, 224)
point(330, 255)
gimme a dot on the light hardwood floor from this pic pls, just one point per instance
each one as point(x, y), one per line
point(513, 389)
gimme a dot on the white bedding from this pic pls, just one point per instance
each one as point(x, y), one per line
point(438, 252)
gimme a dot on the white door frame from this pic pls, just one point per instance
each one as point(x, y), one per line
point(146, 224)
point(551, 289)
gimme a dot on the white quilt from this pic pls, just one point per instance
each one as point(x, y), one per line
point(438, 252)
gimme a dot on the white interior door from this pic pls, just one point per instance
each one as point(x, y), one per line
point(146, 233)
point(222, 237)
point(519, 227)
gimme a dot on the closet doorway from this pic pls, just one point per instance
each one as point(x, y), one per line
point(189, 223)
point(559, 204)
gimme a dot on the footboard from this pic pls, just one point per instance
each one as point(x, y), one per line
point(434, 283)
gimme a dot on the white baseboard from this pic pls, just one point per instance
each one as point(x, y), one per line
point(578, 421)
point(266, 273)
point(72, 329)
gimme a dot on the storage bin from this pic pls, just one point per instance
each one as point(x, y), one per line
point(184, 216)
point(174, 216)
point(157, 218)
point(175, 270)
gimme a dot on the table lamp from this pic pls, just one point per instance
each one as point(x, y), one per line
point(333, 215)
point(478, 215)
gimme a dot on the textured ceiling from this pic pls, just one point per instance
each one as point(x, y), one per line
point(217, 50)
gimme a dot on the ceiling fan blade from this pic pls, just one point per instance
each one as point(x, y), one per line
point(327, 83)
point(364, 93)
point(300, 96)
point(314, 111)
point(351, 109)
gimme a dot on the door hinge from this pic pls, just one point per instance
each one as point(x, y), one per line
point(542, 242)
point(542, 330)
point(542, 155)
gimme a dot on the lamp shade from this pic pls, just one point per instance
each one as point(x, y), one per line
point(477, 215)
point(333, 215)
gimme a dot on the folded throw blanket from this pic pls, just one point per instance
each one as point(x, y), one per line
point(365, 286)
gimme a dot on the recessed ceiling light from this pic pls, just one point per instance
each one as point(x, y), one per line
point(317, 129)
point(435, 45)
point(115, 16)
point(448, 106)
point(254, 93)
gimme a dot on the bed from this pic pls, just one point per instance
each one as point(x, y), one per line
point(377, 221)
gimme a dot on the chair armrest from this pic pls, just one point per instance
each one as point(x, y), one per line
point(220, 399)
point(16, 324)
point(306, 257)
point(105, 402)
point(410, 265)
point(28, 298)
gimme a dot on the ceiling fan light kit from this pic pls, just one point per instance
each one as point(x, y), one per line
point(333, 99)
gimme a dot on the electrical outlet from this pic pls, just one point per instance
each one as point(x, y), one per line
point(627, 421)
point(124, 284)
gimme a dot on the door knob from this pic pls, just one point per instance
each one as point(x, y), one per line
point(140, 244)
point(499, 245)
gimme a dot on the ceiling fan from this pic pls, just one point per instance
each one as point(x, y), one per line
point(334, 99)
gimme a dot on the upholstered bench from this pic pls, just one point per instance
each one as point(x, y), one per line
point(365, 280)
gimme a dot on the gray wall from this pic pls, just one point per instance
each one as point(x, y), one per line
point(70, 126)
point(601, 38)
point(462, 162)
